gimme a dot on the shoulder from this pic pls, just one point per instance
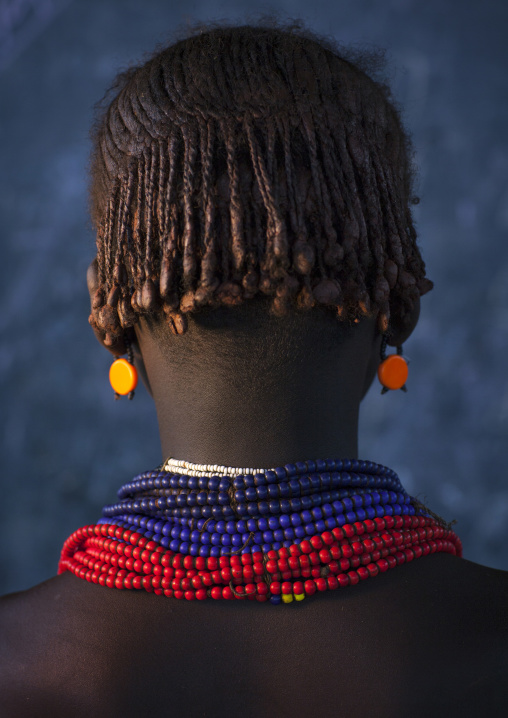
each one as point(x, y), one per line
point(437, 627)
point(428, 636)
point(45, 642)
point(446, 597)
point(73, 648)
point(479, 593)
point(451, 619)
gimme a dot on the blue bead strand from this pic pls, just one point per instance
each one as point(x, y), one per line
point(375, 474)
point(218, 515)
point(215, 512)
point(268, 538)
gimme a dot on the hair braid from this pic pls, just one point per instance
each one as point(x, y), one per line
point(124, 270)
point(236, 209)
point(252, 159)
point(189, 261)
point(355, 243)
point(161, 205)
point(275, 257)
point(376, 213)
point(168, 233)
point(208, 280)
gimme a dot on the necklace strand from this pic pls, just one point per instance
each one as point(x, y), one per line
point(207, 531)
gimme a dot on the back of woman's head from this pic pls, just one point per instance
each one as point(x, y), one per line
point(246, 160)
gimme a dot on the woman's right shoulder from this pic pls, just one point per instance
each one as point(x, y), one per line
point(43, 643)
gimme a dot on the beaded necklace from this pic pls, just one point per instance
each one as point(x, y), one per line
point(206, 531)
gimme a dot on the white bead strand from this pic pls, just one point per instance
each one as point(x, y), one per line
point(178, 466)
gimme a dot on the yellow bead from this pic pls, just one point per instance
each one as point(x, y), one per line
point(123, 376)
point(287, 597)
point(299, 596)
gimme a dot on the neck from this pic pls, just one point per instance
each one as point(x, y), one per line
point(275, 391)
point(249, 428)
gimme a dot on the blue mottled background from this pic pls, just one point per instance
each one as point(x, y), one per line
point(66, 446)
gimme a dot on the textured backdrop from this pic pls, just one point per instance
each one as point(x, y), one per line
point(67, 446)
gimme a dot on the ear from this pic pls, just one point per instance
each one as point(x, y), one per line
point(120, 347)
point(92, 280)
point(401, 331)
point(139, 362)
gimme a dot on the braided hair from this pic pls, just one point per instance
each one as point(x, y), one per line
point(252, 159)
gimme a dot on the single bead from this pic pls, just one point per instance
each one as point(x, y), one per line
point(310, 587)
point(298, 587)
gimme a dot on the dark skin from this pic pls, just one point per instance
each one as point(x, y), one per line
point(428, 638)
point(290, 387)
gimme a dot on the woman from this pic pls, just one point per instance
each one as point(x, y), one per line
point(251, 190)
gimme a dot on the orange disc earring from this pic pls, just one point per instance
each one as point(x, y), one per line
point(393, 370)
point(123, 375)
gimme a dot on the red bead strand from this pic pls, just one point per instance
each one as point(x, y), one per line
point(115, 557)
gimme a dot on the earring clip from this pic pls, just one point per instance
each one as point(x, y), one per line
point(123, 375)
point(393, 369)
